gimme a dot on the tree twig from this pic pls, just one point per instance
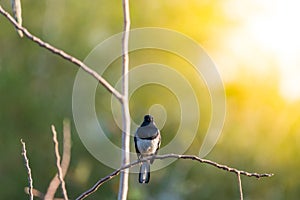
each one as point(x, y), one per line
point(17, 12)
point(123, 183)
point(161, 157)
point(39, 194)
point(60, 173)
point(62, 54)
point(240, 185)
point(26, 162)
point(35, 192)
point(66, 157)
point(105, 179)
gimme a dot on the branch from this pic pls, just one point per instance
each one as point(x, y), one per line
point(123, 184)
point(39, 194)
point(35, 192)
point(62, 54)
point(240, 185)
point(55, 182)
point(161, 157)
point(26, 162)
point(60, 173)
point(105, 179)
point(17, 12)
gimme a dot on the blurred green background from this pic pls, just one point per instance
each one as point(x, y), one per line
point(256, 49)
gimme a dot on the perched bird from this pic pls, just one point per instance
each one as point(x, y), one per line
point(147, 142)
point(17, 13)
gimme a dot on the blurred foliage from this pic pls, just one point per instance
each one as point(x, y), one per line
point(261, 131)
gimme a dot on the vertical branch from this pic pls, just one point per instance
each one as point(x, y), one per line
point(55, 182)
point(26, 161)
point(60, 173)
point(17, 12)
point(240, 185)
point(123, 185)
point(67, 146)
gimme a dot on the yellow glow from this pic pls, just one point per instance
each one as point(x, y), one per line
point(270, 30)
point(277, 28)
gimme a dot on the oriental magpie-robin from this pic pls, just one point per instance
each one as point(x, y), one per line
point(147, 142)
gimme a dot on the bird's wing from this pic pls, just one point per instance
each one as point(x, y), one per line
point(136, 148)
point(158, 146)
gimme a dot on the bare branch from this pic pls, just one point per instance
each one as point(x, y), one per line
point(67, 146)
point(26, 162)
point(35, 192)
point(55, 182)
point(215, 164)
point(240, 185)
point(161, 157)
point(60, 173)
point(105, 179)
point(63, 54)
point(123, 184)
point(39, 194)
point(17, 12)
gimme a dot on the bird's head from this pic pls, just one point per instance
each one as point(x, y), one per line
point(148, 118)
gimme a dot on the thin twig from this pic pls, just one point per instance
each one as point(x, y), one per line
point(63, 54)
point(66, 157)
point(161, 157)
point(17, 12)
point(105, 179)
point(39, 194)
point(26, 162)
point(123, 184)
point(60, 173)
point(35, 192)
point(240, 185)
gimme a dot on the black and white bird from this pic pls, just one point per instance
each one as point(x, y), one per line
point(147, 142)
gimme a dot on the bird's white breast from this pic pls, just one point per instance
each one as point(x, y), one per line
point(147, 147)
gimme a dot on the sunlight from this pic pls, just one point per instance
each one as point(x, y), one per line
point(267, 35)
point(277, 29)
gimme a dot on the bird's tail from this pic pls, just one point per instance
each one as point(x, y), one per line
point(144, 175)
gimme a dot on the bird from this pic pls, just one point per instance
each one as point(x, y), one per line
point(147, 141)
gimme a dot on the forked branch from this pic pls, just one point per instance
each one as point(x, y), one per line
point(66, 157)
point(59, 169)
point(62, 54)
point(161, 157)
